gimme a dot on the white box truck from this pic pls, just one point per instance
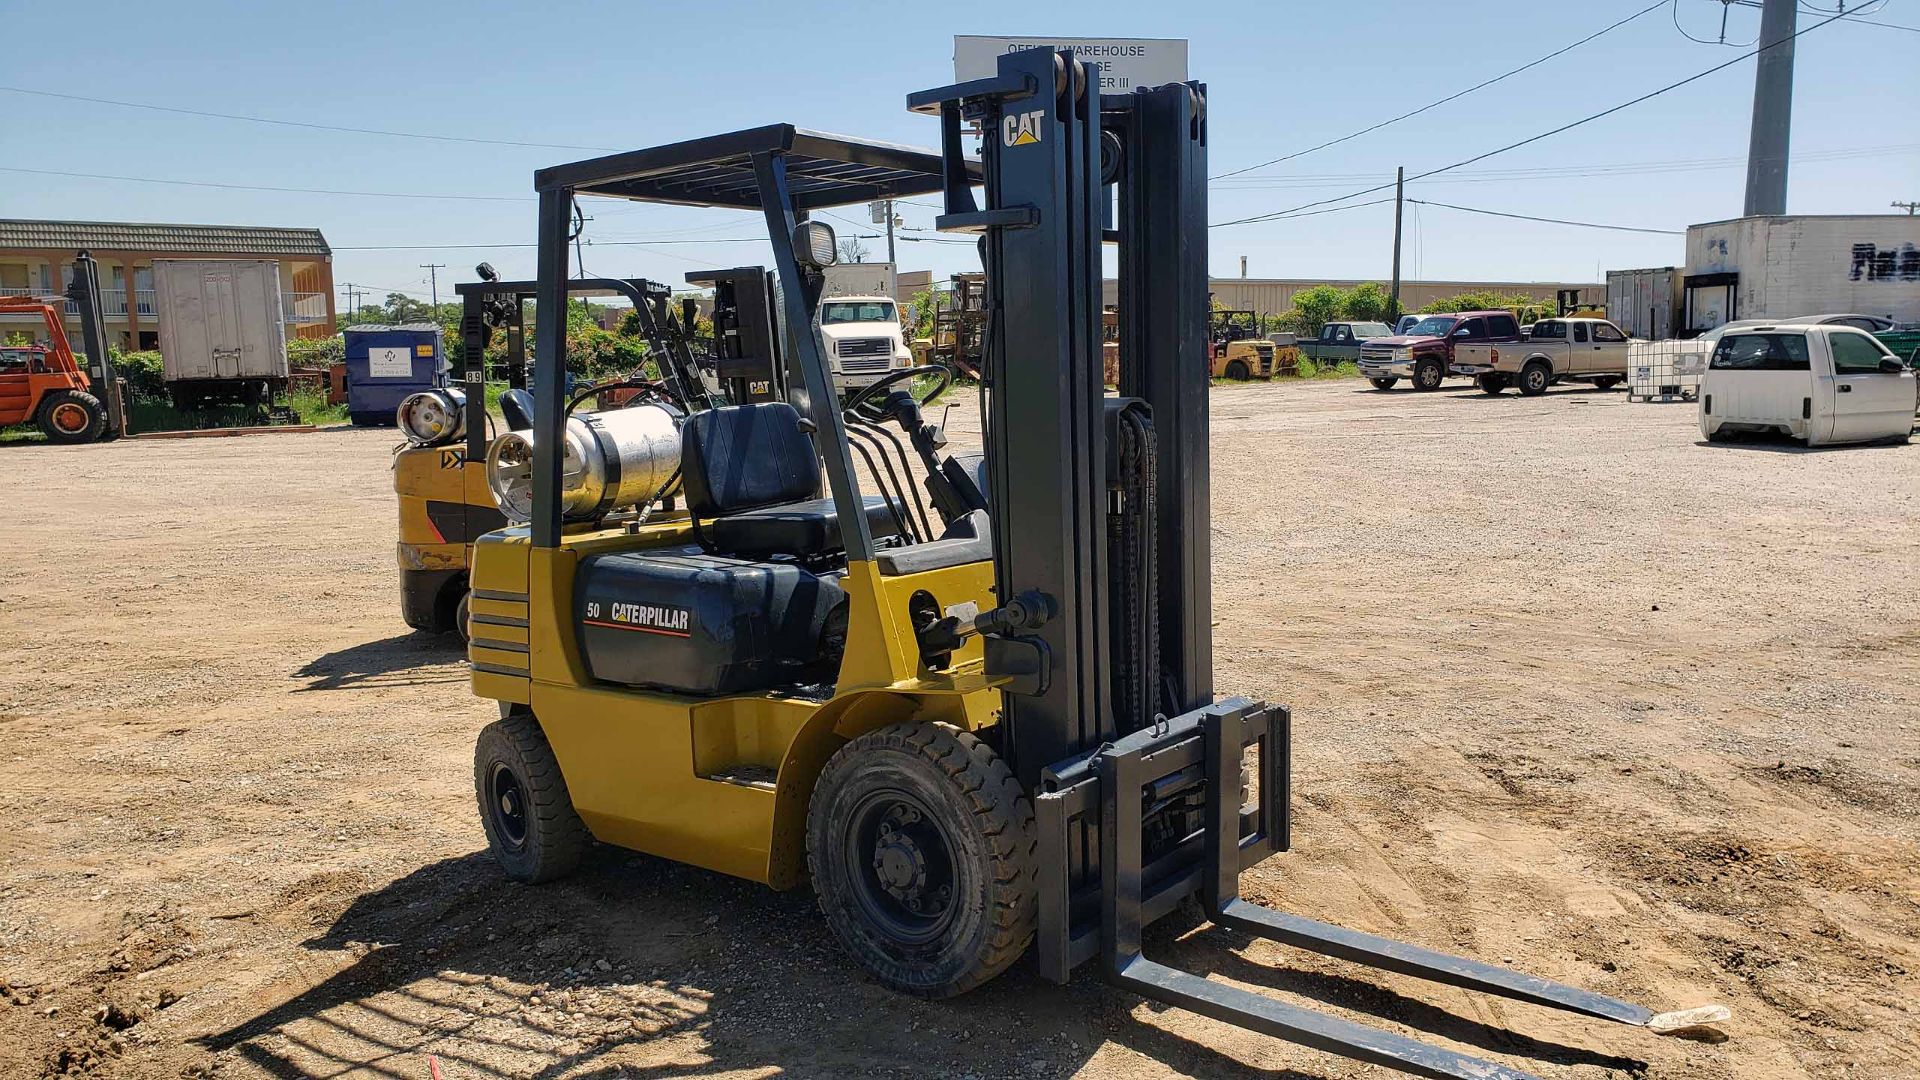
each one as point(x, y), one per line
point(859, 325)
point(222, 331)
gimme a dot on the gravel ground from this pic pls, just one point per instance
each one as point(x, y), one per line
point(1572, 691)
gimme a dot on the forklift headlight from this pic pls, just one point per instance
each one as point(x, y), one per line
point(433, 417)
point(814, 245)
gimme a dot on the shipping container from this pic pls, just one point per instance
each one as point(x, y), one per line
point(1802, 265)
point(221, 325)
point(1645, 303)
point(386, 364)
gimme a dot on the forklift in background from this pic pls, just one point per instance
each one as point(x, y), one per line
point(978, 737)
point(440, 474)
point(45, 385)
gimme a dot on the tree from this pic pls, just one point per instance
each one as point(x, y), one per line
point(917, 320)
point(852, 250)
point(1316, 307)
point(1366, 302)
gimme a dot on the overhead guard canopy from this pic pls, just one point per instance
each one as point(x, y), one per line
point(822, 170)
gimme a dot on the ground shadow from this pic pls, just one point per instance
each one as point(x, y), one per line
point(716, 974)
point(401, 660)
point(634, 959)
point(1217, 950)
point(1777, 443)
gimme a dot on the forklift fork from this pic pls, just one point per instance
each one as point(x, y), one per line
point(1115, 784)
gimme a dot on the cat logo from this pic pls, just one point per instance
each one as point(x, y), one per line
point(1022, 129)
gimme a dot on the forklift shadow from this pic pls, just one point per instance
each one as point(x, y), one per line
point(720, 976)
point(1208, 949)
point(414, 659)
point(1776, 443)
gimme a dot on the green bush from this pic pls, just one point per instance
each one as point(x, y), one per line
point(316, 352)
point(144, 373)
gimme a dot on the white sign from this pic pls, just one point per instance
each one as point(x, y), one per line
point(394, 362)
point(1125, 63)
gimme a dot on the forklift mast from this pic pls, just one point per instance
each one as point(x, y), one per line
point(1099, 504)
point(746, 348)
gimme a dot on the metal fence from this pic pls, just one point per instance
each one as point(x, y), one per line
point(1665, 370)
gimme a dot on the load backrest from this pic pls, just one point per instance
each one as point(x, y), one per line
point(741, 457)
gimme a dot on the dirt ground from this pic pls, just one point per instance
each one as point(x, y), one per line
point(1572, 691)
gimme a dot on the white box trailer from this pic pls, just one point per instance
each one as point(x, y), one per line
point(222, 330)
point(1800, 265)
point(1645, 303)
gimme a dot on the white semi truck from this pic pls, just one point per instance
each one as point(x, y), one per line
point(859, 325)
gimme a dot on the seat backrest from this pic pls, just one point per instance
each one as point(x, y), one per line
point(740, 457)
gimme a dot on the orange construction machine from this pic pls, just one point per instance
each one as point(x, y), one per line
point(44, 385)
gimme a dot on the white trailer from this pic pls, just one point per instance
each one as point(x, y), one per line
point(860, 279)
point(1794, 266)
point(1645, 303)
point(222, 330)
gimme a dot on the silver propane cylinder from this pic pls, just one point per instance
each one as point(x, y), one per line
point(613, 459)
point(433, 417)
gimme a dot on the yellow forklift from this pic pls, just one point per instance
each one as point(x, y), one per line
point(971, 704)
point(440, 472)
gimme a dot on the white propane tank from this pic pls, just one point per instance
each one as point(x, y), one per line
point(645, 450)
point(432, 417)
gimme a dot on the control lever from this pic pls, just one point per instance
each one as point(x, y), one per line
point(1029, 610)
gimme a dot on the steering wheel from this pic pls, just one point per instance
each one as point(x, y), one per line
point(861, 402)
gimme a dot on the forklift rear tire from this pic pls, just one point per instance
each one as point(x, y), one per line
point(71, 416)
point(1492, 384)
point(1428, 375)
point(1238, 371)
point(524, 806)
point(920, 843)
point(461, 613)
point(1385, 384)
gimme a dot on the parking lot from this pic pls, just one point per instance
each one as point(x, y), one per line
point(1572, 690)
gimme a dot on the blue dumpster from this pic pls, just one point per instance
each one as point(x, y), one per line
point(386, 363)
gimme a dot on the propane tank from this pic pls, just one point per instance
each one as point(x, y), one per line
point(432, 417)
point(612, 459)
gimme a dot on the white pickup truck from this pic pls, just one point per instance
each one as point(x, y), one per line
point(1560, 350)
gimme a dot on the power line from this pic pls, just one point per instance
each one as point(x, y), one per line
point(258, 187)
point(1557, 172)
point(1552, 221)
point(1543, 135)
point(1657, 4)
point(298, 123)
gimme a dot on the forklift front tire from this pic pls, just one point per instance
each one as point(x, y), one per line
point(72, 416)
point(1384, 384)
point(921, 846)
point(524, 806)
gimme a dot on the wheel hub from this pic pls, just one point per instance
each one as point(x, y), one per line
point(70, 418)
point(909, 876)
point(509, 806)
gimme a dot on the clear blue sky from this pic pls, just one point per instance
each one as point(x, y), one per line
point(1282, 77)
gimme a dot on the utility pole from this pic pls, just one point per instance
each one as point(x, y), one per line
point(1909, 207)
point(433, 281)
point(1772, 110)
point(890, 257)
point(1399, 197)
point(354, 292)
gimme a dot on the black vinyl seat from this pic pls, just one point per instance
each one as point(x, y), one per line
point(753, 483)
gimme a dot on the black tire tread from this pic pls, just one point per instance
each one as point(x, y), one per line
point(44, 419)
point(555, 833)
point(1004, 816)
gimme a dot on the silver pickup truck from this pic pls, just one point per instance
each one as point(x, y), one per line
point(1559, 350)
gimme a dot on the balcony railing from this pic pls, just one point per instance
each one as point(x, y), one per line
point(296, 308)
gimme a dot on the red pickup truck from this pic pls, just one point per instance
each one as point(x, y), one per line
point(1425, 352)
